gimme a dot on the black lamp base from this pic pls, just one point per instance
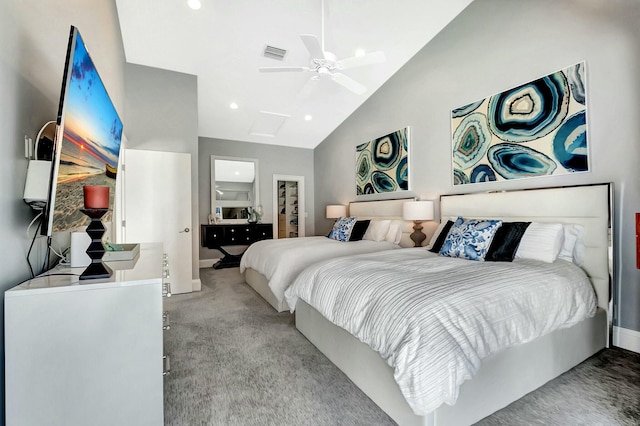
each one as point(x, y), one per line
point(96, 268)
point(95, 271)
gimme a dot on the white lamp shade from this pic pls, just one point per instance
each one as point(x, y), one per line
point(336, 211)
point(417, 210)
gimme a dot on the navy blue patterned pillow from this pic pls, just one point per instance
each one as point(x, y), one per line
point(506, 241)
point(470, 238)
point(342, 229)
point(440, 240)
point(359, 229)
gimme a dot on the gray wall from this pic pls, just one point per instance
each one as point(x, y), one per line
point(34, 36)
point(492, 46)
point(272, 160)
point(162, 115)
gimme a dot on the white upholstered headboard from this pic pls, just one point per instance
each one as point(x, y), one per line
point(385, 209)
point(587, 205)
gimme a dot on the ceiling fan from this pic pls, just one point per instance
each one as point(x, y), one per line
point(327, 66)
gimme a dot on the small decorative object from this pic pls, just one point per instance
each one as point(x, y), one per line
point(536, 129)
point(96, 197)
point(96, 203)
point(335, 211)
point(418, 211)
point(382, 164)
point(259, 212)
point(254, 216)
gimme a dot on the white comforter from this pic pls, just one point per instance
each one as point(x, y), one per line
point(281, 260)
point(433, 318)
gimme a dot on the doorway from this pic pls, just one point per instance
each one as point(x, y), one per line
point(157, 208)
point(288, 206)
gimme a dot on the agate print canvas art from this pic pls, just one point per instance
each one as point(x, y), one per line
point(382, 164)
point(536, 129)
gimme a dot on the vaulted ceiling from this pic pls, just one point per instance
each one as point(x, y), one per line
point(223, 44)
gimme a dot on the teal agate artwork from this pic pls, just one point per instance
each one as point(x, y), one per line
point(382, 165)
point(536, 129)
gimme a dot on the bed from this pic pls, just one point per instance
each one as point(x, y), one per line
point(502, 376)
point(270, 266)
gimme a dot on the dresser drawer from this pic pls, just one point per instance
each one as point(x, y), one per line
point(215, 236)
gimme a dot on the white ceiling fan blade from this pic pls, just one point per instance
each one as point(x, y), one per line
point(284, 69)
point(358, 61)
point(349, 83)
point(308, 89)
point(313, 46)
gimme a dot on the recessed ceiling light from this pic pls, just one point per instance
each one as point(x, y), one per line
point(194, 4)
point(233, 105)
point(360, 52)
point(237, 173)
point(308, 117)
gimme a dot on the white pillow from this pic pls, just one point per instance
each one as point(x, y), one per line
point(573, 245)
point(394, 235)
point(541, 241)
point(377, 230)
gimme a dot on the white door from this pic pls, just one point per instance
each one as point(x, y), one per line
point(157, 207)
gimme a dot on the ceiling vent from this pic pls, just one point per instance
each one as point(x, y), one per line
point(274, 52)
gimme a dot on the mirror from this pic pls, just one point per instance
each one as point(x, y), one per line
point(234, 188)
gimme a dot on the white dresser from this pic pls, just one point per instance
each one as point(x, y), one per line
point(90, 352)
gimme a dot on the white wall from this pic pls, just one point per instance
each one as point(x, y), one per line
point(272, 159)
point(492, 46)
point(162, 115)
point(33, 44)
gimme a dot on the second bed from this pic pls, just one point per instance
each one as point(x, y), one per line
point(270, 266)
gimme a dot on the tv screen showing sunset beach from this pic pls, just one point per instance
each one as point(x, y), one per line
point(90, 147)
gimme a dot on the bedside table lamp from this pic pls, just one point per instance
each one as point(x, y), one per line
point(418, 211)
point(336, 211)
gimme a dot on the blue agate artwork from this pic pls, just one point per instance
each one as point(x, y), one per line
point(536, 129)
point(382, 164)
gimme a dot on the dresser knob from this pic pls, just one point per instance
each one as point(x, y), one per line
point(166, 367)
point(165, 321)
point(166, 290)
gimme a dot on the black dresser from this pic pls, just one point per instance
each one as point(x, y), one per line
point(233, 234)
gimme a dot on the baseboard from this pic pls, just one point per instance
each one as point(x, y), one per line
point(207, 263)
point(196, 284)
point(626, 339)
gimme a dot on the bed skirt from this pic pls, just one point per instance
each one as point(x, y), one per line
point(260, 284)
point(503, 378)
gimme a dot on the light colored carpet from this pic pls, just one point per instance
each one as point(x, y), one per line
point(235, 361)
point(603, 390)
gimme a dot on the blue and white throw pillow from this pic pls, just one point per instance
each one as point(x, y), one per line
point(342, 228)
point(470, 238)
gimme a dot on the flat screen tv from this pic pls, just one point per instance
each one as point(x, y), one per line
point(87, 141)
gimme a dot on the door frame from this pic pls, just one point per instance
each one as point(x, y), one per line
point(302, 211)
